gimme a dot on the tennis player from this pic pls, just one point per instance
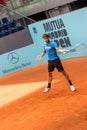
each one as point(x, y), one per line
point(51, 49)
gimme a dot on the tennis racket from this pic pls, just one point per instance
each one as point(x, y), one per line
point(77, 47)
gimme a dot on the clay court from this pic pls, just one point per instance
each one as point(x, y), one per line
point(60, 109)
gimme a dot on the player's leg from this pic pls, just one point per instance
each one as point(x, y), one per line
point(60, 68)
point(50, 77)
point(66, 76)
point(69, 81)
point(49, 82)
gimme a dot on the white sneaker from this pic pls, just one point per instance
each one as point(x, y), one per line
point(46, 90)
point(72, 88)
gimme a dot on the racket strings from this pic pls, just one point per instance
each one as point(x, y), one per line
point(79, 47)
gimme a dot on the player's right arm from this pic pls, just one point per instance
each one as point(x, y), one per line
point(40, 56)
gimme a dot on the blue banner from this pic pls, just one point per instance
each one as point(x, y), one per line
point(66, 30)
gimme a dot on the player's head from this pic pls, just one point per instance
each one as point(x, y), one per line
point(46, 37)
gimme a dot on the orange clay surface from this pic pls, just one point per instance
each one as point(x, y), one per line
point(60, 109)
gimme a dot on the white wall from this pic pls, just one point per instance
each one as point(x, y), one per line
point(30, 11)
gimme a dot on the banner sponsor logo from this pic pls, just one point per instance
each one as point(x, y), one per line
point(13, 57)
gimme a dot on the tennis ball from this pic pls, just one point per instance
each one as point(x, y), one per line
point(64, 52)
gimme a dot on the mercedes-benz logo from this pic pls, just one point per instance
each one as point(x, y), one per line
point(13, 57)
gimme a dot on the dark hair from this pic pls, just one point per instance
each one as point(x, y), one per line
point(45, 35)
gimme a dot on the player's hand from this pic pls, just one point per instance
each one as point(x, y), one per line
point(65, 51)
point(39, 57)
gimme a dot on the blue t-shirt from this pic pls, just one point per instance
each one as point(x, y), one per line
point(50, 49)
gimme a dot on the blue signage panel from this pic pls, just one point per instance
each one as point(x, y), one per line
point(66, 30)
